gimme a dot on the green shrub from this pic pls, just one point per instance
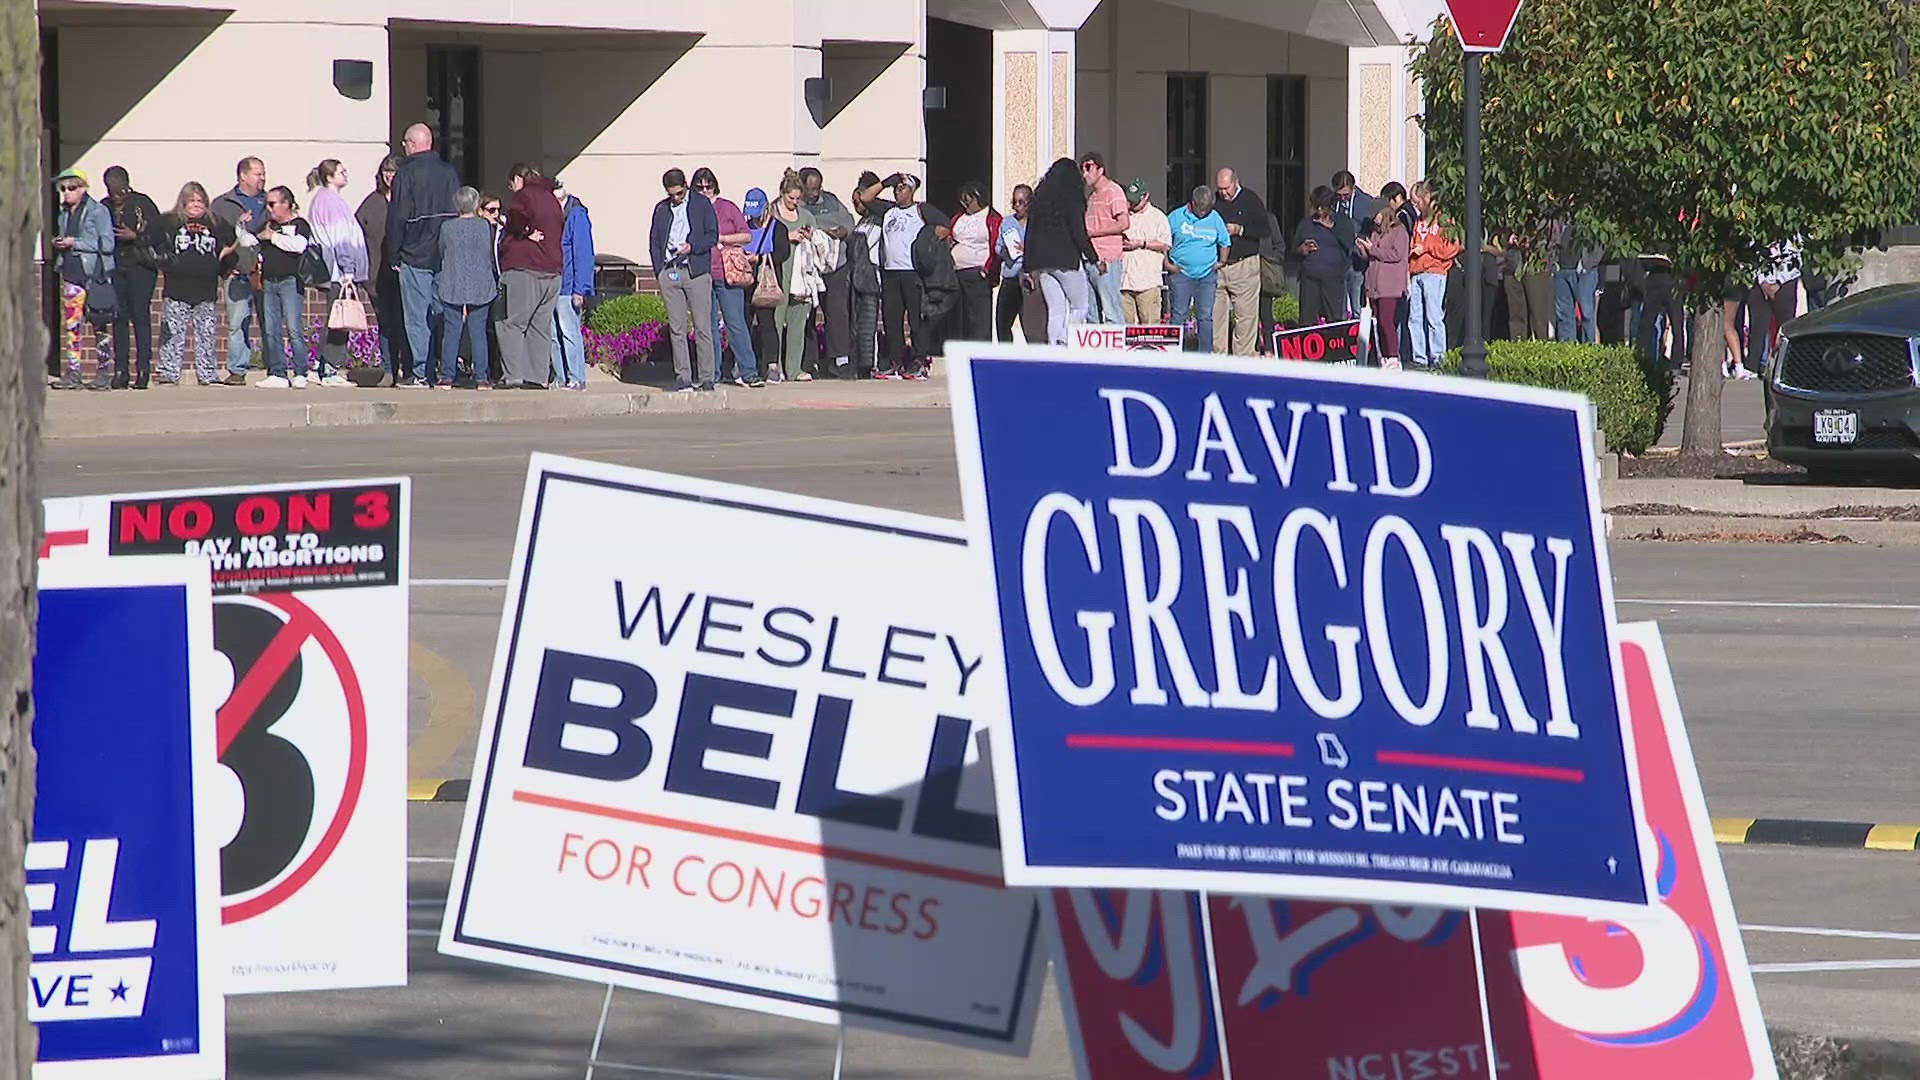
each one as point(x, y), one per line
point(623, 313)
point(1631, 401)
point(1286, 310)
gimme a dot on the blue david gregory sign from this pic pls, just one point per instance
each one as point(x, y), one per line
point(122, 870)
point(1289, 630)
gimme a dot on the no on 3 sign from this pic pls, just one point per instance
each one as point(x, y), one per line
point(292, 735)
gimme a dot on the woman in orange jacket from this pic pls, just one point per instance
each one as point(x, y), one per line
point(1430, 258)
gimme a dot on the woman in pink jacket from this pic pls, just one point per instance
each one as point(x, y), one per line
point(1386, 248)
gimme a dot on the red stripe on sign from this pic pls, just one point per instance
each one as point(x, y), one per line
point(885, 862)
point(62, 538)
point(1200, 746)
point(259, 679)
point(1501, 768)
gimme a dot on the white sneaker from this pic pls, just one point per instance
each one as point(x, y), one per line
point(336, 380)
point(299, 382)
point(273, 382)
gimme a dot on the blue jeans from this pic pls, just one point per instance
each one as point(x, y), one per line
point(421, 308)
point(474, 320)
point(1356, 292)
point(1571, 287)
point(1198, 294)
point(1105, 305)
point(237, 296)
point(285, 310)
point(1427, 318)
point(730, 307)
point(569, 346)
point(1069, 301)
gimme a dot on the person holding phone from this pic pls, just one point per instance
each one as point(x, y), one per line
point(1325, 242)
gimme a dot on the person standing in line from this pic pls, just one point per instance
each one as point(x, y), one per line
point(1107, 220)
point(902, 304)
point(466, 286)
point(1772, 302)
point(1325, 243)
point(383, 281)
point(530, 264)
point(282, 243)
point(1018, 299)
point(244, 210)
point(795, 228)
point(84, 245)
point(1200, 247)
point(1432, 254)
point(1148, 240)
point(1059, 249)
point(1576, 281)
point(1386, 248)
point(863, 276)
point(422, 201)
point(683, 236)
point(976, 235)
point(831, 217)
point(762, 248)
point(576, 284)
point(1358, 208)
point(135, 273)
point(518, 175)
point(194, 244)
point(1236, 303)
point(345, 248)
point(730, 290)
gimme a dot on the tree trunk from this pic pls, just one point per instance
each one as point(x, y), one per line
point(1700, 435)
point(23, 388)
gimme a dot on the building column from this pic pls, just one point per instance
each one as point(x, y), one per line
point(1033, 105)
point(1384, 141)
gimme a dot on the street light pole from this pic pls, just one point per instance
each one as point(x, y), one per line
point(1473, 351)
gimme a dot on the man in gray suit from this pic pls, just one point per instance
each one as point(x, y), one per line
point(1360, 207)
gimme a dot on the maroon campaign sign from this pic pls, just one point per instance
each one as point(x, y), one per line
point(1333, 343)
point(1484, 25)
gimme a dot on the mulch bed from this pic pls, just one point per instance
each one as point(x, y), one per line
point(1671, 466)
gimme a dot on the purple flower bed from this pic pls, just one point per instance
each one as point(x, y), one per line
point(613, 353)
point(363, 346)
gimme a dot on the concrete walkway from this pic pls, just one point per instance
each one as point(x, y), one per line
point(192, 409)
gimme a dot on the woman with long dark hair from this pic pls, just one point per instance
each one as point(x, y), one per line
point(1058, 247)
point(383, 282)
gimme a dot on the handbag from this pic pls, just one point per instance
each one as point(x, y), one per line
point(312, 270)
point(347, 312)
point(736, 267)
point(103, 300)
point(767, 292)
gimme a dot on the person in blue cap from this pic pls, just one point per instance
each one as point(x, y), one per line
point(763, 243)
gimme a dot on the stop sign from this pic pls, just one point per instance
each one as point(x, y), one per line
point(1483, 24)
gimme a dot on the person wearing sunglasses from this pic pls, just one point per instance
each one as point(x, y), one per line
point(730, 290)
point(83, 245)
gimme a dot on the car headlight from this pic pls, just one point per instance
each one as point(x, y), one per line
point(1777, 359)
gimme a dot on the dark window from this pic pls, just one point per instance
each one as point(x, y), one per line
point(1287, 147)
point(453, 107)
point(1186, 136)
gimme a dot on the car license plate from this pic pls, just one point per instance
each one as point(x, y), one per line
point(1836, 427)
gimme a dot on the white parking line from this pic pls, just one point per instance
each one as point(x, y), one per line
point(437, 859)
point(1787, 604)
point(1821, 931)
point(1836, 965)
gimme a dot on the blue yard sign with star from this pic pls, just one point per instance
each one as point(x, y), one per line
point(122, 867)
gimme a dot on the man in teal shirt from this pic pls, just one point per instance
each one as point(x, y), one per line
point(1200, 245)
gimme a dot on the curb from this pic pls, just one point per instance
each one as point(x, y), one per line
point(1761, 530)
point(423, 407)
point(437, 790)
point(1795, 832)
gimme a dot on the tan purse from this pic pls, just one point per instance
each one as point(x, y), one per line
point(348, 313)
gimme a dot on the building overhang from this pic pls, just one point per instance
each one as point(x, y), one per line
point(1343, 22)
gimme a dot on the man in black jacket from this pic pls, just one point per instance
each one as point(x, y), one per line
point(423, 189)
point(1239, 293)
point(136, 224)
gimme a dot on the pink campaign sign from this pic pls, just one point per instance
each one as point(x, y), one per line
point(1352, 992)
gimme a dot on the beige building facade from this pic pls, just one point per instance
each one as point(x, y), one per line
point(609, 93)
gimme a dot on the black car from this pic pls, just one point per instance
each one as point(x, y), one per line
point(1843, 387)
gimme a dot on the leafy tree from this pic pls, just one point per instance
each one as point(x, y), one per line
point(1705, 130)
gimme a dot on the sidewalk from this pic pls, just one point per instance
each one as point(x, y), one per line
point(194, 409)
